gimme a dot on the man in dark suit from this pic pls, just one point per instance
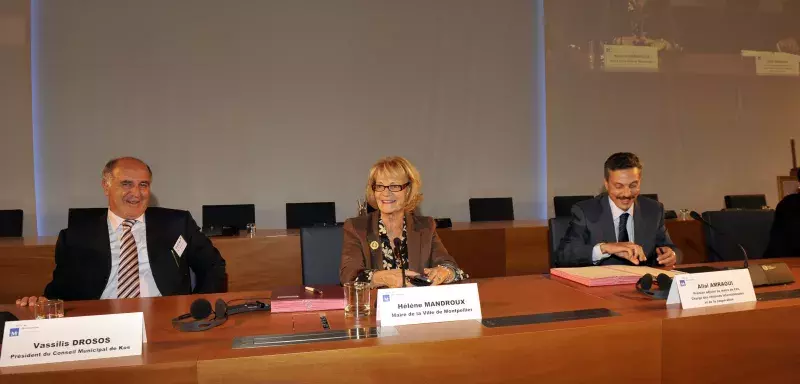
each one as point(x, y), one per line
point(619, 227)
point(132, 250)
point(783, 239)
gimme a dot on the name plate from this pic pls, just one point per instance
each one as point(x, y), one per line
point(699, 290)
point(419, 305)
point(630, 58)
point(775, 63)
point(72, 339)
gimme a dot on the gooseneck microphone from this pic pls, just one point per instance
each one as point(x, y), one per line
point(399, 259)
point(699, 218)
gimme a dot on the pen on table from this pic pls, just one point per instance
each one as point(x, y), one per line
point(313, 290)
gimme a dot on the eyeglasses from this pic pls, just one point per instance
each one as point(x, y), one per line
point(392, 188)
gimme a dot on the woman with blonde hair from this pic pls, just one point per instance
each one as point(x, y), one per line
point(393, 188)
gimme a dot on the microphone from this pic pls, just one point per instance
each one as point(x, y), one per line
point(398, 259)
point(699, 218)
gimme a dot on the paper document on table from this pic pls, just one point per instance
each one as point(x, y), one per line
point(641, 271)
point(598, 272)
point(607, 275)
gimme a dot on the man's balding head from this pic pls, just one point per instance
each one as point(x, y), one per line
point(126, 183)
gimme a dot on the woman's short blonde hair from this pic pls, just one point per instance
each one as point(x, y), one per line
point(399, 167)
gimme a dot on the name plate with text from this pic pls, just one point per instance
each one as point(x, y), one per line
point(775, 63)
point(419, 305)
point(72, 339)
point(699, 290)
point(630, 58)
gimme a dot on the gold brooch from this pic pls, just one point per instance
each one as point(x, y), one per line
point(373, 245)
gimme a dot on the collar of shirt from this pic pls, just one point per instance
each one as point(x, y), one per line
point(116, 220)
point(616, 212)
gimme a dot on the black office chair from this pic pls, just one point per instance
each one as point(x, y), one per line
point(303, 215)
point(236, 216)
point(77, 215)
point(11, 223)
point(558, 229)
point(750, 228)
point(491, 209)
point(653, 196)
point(745, 201)
point(321, 254)
point(563, 204)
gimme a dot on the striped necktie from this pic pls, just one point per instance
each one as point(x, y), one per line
point(128, 273)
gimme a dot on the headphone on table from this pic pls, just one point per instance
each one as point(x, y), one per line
point(200, 314)
point(645, 285)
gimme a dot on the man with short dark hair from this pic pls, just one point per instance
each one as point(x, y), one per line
point(132, 250)
point(784, 239)
point(618, 227)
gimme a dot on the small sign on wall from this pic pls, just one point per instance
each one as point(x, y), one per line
point(630, 58)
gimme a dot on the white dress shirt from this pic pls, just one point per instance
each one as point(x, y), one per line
point(616, 212)
point(147, 284)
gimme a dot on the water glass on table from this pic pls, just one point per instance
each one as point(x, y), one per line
point(49, 309)
point(358, 299)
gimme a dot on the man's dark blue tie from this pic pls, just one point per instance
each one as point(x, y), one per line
point(623, 228)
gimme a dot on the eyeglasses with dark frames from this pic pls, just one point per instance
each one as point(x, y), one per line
point(392, 188)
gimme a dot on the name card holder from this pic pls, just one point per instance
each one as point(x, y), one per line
point(419, 305)
point(700, 290)
point(774, 63)
point(29, 342)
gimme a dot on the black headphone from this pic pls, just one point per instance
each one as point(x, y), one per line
point(645, 285)
point(200, 312)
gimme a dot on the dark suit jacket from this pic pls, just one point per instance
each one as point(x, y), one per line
point(425, 249)
point(592, 223)
point(83, 257)
point(784, 239)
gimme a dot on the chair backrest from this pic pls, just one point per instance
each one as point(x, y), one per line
point(750, 228)
point(563, 204)
point(321, 254)
point(491, 209)
point(301, 215)
point(11, 223)
point(653, 196)
point(745, 201)
point(235, 215)
point(558, 228)
point(77, 215)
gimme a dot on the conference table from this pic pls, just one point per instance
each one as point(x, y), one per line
point(272, 258)
point(639, 340)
